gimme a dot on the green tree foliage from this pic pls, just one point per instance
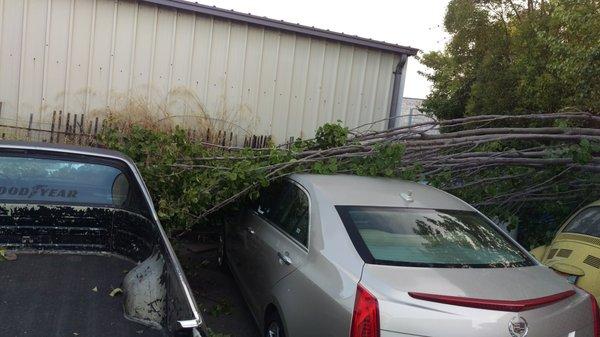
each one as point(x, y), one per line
point(520, 57)
point(511, 56)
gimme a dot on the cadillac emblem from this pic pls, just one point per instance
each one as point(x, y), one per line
point(518, 327)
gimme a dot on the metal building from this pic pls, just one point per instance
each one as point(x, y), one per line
point(178, 58)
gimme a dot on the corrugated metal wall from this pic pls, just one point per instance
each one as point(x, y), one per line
point(91, 56)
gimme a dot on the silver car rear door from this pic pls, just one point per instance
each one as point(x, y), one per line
point(242, 247)
point(282, 240)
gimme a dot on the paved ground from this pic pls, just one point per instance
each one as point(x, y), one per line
point(216, 292)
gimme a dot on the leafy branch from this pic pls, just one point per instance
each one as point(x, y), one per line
point(493, 161)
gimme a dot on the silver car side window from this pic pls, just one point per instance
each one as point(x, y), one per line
point(295, 216)
point(269, 199)
point(286, 206)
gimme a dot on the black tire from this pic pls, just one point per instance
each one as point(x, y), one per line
point(274, 326)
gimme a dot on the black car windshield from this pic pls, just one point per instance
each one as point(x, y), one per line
point(586, 222)
point(62, 181)
point(429, 238)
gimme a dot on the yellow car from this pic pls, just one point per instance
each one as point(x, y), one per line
point(575, 250)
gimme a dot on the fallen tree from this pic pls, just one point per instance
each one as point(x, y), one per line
point(504, 164)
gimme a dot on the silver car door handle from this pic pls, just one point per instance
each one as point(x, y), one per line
point(250, 230)
point(285, 259)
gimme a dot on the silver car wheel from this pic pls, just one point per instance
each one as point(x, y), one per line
point(274, 330)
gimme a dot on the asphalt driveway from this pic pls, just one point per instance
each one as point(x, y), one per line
point(216, 292)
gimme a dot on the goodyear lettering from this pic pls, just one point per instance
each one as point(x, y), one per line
point(38, 190)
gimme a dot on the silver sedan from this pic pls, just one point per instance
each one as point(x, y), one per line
point(337, 256)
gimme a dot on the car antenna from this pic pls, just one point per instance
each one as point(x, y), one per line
point(408, 196)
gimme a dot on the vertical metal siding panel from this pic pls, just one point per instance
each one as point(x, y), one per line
point(135, 18)
point(252, 80)
point(193, 99)
point(356, 93)
point(343, 82)
point(11, 33)
point(391, 89)
point(56, 60)
point(384, 85)
point(150, 84)
point(217, 70)
point(22, 55)
point(235, 114)
point(162, 59)
point(313, 87)
point(113, 42)
point(77, 68)
point(1, 23)
point(172, 53)
point(90, 67)
point(32, 59)
point(46, 55)
point(180, 96)
point(143, 45)
point(369, 88)
point(101, 59)
point(67, 88)
point(268, 79)
point(2, 97)
point(201, 61)
point(298, 91)
point(283, 88)
point(329, 83)
point(124, 44)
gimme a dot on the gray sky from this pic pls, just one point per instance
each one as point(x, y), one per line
point(415, 23)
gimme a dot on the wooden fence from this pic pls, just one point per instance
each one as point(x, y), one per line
point(67, 128)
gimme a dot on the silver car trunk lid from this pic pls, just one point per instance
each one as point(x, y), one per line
point(400, 312)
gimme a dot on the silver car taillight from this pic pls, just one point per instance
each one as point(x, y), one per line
point(365, 318)
point(595, 313)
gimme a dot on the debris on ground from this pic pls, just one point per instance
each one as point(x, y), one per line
point(7, 255)
point(116, 292)
point(216, 292)
point(221, 308)
point(95, 289)
point(199, 247)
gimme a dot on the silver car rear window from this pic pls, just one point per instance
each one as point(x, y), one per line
point(429, 238)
